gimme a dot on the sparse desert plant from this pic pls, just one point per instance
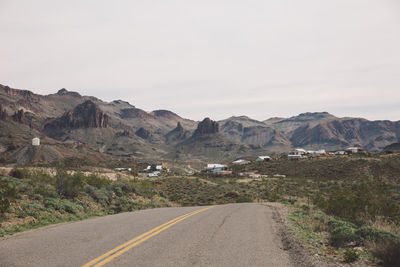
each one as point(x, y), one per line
point(69, 185)
point(7, 194)
point(21, 173)
point(350, 255)
point(388, 252)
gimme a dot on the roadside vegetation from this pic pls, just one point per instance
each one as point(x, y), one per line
point(344, 209)
point(29, 199)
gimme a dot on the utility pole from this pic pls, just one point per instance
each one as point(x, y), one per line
point(134, 168)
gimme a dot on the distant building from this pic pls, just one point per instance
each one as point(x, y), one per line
point(36, 141)
point(316, 152)
point(295, 155)
point(263, 158)
point(241, 162)
point(216, 168)
point(353, 149)
point(159, 167)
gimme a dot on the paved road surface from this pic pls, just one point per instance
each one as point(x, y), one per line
point(226, 235)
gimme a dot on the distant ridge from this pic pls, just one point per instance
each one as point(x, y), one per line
point(119, 129)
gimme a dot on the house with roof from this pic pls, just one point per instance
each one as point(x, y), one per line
point(263, 158)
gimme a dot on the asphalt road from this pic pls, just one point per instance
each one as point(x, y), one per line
point(226, 235)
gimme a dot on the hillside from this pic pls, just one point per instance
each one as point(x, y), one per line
point(119, 129)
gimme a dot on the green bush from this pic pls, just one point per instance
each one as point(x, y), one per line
point(69, 185)
point(385, 245)
point(121, 204)
point(68, 206)
point(101, 196)
point(360, 202)
point(7, 194)
point(51, 203)
point(342, 235)
point(334, 223)
point(19, 173)
point(388, 252)
point(244, 199)
point(97, 181)
point(350, 255)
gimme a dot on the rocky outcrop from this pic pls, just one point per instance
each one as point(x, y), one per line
point(19, 116)
point(64, 91)
point(178, 134)
point(3, 113)
point(143, 133)
point(207, 126)
point(85, 115)
point(130, 113)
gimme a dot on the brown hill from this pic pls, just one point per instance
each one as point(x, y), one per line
point(119, 129)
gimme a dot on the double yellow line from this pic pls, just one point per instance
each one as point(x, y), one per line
point(119, 250)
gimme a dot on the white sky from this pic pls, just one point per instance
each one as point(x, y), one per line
point(216, 58)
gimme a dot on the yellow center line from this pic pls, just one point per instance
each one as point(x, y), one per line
point(117, 251)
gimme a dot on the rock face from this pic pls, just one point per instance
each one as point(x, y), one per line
point(85, 115)
point(207, 126)
point(178, 134)
point(19, 116)
point(64, 91)
point(3, 113)
point(143, 133)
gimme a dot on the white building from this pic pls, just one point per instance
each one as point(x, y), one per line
point(241, 162)
point(353, 149)
point(263, 158)
point(295, 154)
point(215, 166)
point(36, 141)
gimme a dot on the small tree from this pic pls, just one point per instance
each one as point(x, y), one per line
point(69, 185)
point(7, 194)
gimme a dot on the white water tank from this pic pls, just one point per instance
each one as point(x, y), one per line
point(35, 141)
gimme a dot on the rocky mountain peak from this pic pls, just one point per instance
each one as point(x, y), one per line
point(179, 126)
point(165, 114)
point(64, 91)
point(207, 126)
point(85, 115)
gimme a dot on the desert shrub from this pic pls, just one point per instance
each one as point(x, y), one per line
point(8, 193)
point(335, 223)
point(20, 173)
point(384, 245)
point(117, 190)
point(145, 188)
point(41, 177)
point(69, 185)
point(121, 204)
point(101, 196)
point(360, 202)
point(51, 203)
point(37, 197)
point(341, 235)
point(273, 197)
point(45, 191)
point(68, 206)
point(388, 252)
point(244, 199)
point(97, 181)
point(350, 255)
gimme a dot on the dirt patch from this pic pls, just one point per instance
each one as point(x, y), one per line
point(298, 254)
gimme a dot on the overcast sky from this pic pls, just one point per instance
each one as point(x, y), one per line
point(215, 58)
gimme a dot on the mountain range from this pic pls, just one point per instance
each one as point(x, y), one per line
point(85, 128)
